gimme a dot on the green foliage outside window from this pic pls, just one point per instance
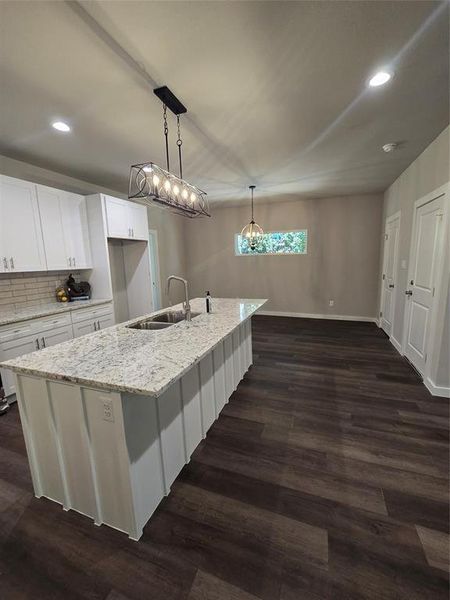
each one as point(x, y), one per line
point(275, 242)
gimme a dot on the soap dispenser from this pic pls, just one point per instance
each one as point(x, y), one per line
point(208, 303)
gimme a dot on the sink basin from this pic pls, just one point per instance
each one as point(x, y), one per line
point(171, 316)
point(161, 321)
point(149, 325)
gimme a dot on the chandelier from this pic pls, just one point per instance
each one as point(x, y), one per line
point(150, 184)
point(252, 232)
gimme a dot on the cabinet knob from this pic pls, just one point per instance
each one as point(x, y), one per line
point(5, 263)
point(11, 262)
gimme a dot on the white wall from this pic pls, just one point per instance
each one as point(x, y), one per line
point(427, 173)
point(341, 264)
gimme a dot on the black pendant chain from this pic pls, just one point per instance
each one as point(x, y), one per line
point(166, 135)
point(179, 144)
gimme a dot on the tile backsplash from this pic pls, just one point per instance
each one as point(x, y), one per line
point(19, 290)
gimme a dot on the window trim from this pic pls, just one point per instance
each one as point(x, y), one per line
point(237, 253)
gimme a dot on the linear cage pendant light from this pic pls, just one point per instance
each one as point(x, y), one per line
point(252, 232)
point(150, 184)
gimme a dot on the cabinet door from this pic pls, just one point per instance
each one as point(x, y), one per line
point(138, 220)
point(13, 349)
point(105, 321)
point(20, 226)
point(83, 328)
point(118, 218)
point(56, 336)
point(76, 230)
point(51, 208)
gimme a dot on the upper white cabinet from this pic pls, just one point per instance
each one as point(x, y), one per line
point(21, 244)
point(76, 230)
point(126, 220)
point(51, 206)
point(64, 229)
point(41, 228)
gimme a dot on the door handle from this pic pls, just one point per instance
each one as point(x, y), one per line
point(391, 285)
point(98, 326)
point(43, 342)
point(11, 262)
point(69, 260)
point(5, 263)
point(37, 344)
point(408, 292)
point(74, 261)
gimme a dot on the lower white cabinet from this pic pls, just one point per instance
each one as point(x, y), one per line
point(56, 336)
point(36, 334)
point(83, 328)
point(92, 319)
point(13, 349)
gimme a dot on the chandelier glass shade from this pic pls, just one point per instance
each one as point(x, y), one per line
point(150, 184)
point(252, 232)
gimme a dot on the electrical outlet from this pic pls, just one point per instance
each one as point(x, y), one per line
point(331, 303)
point(108, 414)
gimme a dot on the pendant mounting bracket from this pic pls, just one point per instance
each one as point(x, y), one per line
point(168, 98)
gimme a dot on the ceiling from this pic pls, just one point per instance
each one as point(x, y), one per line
point(276, 91)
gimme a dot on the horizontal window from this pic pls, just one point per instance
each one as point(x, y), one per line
point(274, 242)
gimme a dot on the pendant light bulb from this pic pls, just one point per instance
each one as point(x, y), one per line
point(252, 232)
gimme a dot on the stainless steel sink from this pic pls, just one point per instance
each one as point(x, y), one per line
point(161, 321)
point(171, 316)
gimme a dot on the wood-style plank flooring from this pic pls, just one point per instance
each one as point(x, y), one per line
point(325, 477)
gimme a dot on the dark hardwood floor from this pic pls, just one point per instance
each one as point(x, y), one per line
point(325, 477)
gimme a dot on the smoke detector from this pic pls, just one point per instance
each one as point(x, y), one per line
point(390, 147)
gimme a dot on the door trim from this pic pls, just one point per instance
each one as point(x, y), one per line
point(438, 278)
point(157, 275)
point(394, 217)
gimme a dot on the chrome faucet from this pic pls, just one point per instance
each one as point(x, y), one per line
point(186, 305)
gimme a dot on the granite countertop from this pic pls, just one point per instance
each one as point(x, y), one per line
point(139, 361)
point(43, 310)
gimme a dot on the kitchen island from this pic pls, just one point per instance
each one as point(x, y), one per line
point(111, 418)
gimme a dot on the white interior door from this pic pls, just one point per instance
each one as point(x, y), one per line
point(425, 253)
point(390, 266)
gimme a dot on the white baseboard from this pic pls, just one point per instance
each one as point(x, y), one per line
point(437, 390)
point(396, 344)
point(278, 313)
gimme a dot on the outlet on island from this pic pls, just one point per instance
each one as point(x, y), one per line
point(108, 414)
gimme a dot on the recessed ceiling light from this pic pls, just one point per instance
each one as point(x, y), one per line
point(390, 147)
point(61, 126)
point(379, 78)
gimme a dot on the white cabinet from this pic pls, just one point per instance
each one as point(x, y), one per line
point(21, 244)
point(64, 229)
point(56, 336)
point(51, 208)
point(13, 349)
point(28, 336)
point(138, 221)
point(105, 321)
point(88, 320)
point(83, 328)
point(125, 220)
point(76, 230)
